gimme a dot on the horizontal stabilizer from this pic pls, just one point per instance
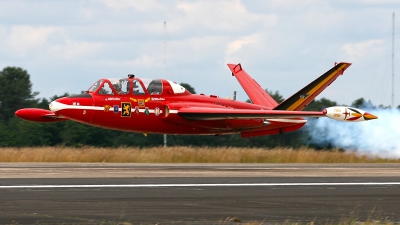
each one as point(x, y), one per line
point(303, 97)
point(38, 115)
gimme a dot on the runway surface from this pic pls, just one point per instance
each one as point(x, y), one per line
point(197, 193)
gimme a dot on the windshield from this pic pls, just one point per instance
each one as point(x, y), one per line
point(111, 86)
point(96, 85)
point(105, 89)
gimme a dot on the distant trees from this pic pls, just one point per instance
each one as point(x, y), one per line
point(15, 91)
point(275, 95)
point(318, 105)
point(188, 87)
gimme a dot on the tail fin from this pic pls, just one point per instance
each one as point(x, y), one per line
point(303, 97)
point(255, 92)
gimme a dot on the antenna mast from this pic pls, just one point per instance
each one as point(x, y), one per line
point(165, 48)
point(393, 64)
point(165, 67)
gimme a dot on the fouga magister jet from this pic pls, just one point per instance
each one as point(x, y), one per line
point(161, 106)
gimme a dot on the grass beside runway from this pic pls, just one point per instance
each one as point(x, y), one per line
point(185, 155)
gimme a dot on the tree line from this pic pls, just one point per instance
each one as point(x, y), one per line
point(16, 93)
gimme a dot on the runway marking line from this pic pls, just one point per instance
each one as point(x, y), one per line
point(199, 185)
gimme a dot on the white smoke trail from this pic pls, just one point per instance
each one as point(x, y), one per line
point(380, 137)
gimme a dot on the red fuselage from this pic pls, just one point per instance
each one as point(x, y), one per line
point(140, 111)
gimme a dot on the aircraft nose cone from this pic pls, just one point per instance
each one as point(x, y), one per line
point(369, 116)
point(76, 107)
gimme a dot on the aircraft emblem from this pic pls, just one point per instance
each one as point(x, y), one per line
point(116, 109)
point(137, 110)
point(126, 109)
point(107, 108)
point(141, 102)
point(157, 111)
point(304, 95)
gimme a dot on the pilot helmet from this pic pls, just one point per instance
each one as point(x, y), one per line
point(117, 85)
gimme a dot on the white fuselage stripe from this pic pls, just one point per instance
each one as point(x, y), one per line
point(201, 185)
point(56, 106)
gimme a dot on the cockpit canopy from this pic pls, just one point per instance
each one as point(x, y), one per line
point(135, 86)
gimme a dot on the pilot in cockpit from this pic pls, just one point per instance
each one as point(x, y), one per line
point(155, 87)
point(117, 86)
point(137, 88)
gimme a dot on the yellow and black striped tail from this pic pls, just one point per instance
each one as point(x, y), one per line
point(303, 97)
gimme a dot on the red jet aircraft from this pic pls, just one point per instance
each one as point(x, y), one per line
point(164, 107)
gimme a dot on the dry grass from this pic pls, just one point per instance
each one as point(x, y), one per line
point(184, 155)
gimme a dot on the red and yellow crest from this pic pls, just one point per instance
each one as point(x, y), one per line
point(141, 102)
point(107, 108)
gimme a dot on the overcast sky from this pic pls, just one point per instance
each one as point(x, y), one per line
point(67, 45)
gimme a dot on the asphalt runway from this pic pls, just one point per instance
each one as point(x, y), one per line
point(72, 193)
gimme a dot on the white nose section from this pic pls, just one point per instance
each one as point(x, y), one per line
point(55, 106)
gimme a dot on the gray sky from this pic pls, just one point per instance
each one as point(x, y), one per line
point(67, 45)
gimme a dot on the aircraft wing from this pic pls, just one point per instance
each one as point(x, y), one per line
point(205, 113)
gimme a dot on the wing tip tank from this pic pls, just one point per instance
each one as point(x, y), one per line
point(38, 115)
